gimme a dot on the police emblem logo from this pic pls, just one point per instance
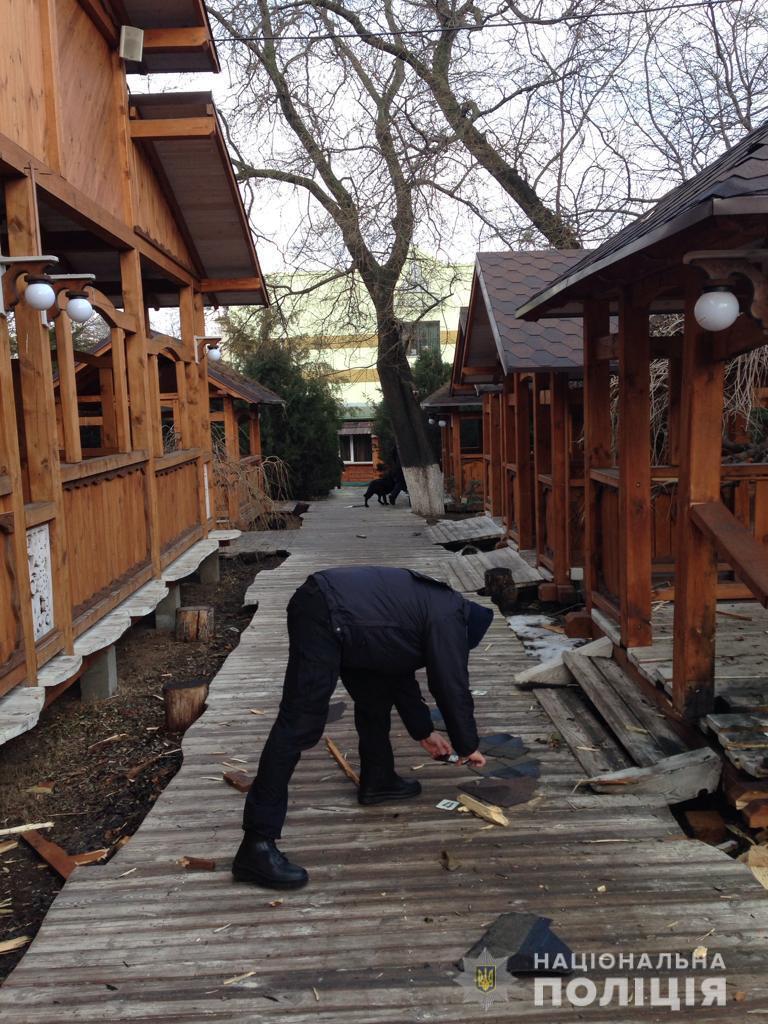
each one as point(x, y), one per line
point(485, 978)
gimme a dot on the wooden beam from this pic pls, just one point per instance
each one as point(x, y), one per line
point(699, 481)
point(660, 346)
point(210, 285)
point(745, 335)
point(634, 473)
point(65, 360)
point(156, 129)
point(481, 371)
point(176, 40)
point(524, 487)
point(736, 544)
point(597, 434)
point(120, 387)
point(560, 518)
point(103, 22)
point(674, 401)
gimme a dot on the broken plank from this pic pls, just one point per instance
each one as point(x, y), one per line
point(18, 830)
point(341, 761)
point(677, 778)
point(52, 853)
point(592, 746)
point(626, 726)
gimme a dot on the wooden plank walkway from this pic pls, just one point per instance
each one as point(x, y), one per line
point(465, 531)
point(467, 572)
point(375, 937)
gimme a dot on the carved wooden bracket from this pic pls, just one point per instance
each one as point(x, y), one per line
point(720, 266)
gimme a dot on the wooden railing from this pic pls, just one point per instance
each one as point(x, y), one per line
point(178, 502)
point(548, 527)
point(744, 495)
point(12, 661)
point(106, 519)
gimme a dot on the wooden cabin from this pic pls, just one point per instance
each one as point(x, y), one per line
point(529, 376)
point(235, 403)
point(459, 417)
point(126, 202)
point(700, 253)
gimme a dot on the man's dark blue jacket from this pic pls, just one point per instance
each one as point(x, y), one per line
point(394, 621)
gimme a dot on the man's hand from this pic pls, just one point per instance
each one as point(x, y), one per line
point(477, 760)
point(437, 745)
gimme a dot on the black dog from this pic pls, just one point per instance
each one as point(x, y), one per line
point(381, 487)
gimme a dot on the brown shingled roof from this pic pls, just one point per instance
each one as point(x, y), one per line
point(506, 279)
point(737, 182)
point(241, 386)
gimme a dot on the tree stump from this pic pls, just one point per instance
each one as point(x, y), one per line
point(500, 587)
point(184, 703)
point(194, 622)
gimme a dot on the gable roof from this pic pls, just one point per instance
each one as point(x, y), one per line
point(737, 182)
point(239, 386)
point(444, 398)
point(502, 281)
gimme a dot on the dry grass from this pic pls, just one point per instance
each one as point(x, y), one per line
point(260, 482)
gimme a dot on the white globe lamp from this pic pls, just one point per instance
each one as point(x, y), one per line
point(39, 294)
point(214, 354)
point(442, 423)
point(716, 310)
point(79, 308)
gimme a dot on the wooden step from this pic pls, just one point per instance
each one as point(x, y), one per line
point(592, 745)
point(621, 717)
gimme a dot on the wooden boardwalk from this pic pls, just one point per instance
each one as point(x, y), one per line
point(375, 936)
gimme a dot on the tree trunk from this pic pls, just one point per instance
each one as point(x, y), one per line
point(422, 474)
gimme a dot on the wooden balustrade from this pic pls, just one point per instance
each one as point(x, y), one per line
point(12, 661)
point(744, 495)
point(107, 533)
point(178, 483)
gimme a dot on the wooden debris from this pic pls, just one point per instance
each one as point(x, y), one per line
point(8, 846)
point(184, 703)
point(578, 625)
point(195, 622)
point(239, 780)
point(239, 977)
point(18, 830)
point(134, 773)
point(198, 863)
point(341, 761)
point(52, 853)
point(486, 811)
point(757, 862)
point(42, 788)
point(94, 856)
point(11, 945)
point(756, 813)
point(671, 780)
point(707, 826)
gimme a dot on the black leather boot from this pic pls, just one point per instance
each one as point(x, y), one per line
point(259, 862)
point(379, 791)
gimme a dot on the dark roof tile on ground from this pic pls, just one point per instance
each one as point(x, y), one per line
point(507, 279)
point(740, 171)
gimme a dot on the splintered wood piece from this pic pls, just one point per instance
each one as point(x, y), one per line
point(195, 622)
point(18, 830)
point(7, 847)
point(92, 857)
point(239, 780)
point(10, 945)
point(756, 813)
point(341, 761)
point(52, 853)
point(486, 811)
point(184, 703)
point(198, 863)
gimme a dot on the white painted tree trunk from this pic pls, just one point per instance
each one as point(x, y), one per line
point(425, 489)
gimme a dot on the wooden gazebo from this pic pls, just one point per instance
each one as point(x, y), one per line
point(529, 376)
point(707, 234)
point(132, 201)
point(459, 417)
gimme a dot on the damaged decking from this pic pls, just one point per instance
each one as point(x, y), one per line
point(375, 937)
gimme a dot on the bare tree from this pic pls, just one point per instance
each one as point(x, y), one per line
point(351, 149)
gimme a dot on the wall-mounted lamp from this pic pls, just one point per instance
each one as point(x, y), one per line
point(718, 307)
point(39, 293)
point(34, 267)
point(442, 423)
point(210, 347)
point(431, 421)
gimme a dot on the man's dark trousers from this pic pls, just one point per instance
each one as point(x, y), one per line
point(314, 666)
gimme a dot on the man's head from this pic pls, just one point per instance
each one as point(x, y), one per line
point(478, 621)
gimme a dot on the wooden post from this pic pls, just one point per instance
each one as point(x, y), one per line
point(184, 703)
point(70, 419)
point(138, 388)
point(195, 622)
point(38, 401)
point(696, 575)
point(597, 432)
point(255, 432)
point(634, 473)
point(108, 417)
point(454, 441)
point(120, 391)
point(525, 500)
point(561, 513)
point(674, 393)
point(542, 452)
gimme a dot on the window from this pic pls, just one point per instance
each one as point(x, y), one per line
point(471, 434)
point(421, 336)
point(355, 448)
